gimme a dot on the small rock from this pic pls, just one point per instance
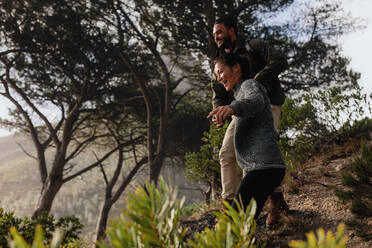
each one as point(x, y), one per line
point(340, 167)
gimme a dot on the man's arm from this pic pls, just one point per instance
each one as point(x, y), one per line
point(275, 61)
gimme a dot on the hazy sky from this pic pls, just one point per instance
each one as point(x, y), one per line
point(357, 46)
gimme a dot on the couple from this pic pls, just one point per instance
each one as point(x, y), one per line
point(248, 90)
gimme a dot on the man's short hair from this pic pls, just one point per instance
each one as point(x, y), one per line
point(227, 20)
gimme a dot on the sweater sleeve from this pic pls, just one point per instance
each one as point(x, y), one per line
point(250, 99)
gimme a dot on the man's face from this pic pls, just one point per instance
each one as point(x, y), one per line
point(226, 75)
point(222, 36)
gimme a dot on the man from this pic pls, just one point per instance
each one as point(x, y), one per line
point(265, 64)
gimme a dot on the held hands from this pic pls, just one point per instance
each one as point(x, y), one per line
point(220, 114)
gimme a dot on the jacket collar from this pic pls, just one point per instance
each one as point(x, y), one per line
point(237, 44)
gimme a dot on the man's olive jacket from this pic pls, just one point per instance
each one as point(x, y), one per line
point(265, 64)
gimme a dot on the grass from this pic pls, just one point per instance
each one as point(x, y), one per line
point(196, 210)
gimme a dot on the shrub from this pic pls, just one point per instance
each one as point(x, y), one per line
point(357, 181)
point(322, 240)
point(26, 227)
point(235, 228)
point(204, 165)
point(317, 118)
point(189, 210)
point(150, 220)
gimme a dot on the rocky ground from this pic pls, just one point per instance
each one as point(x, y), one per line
point(312, 202)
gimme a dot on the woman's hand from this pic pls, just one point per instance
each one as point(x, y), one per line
point(220, 114)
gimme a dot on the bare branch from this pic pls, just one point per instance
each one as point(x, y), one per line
point(82, 145)
point(180, 98)
point(28, 154)
point(34, 108)
point(34, 135)
point(108, 154)
point(102, 169)
point(128, 179)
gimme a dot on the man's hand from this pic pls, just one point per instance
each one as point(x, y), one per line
point(221, 113)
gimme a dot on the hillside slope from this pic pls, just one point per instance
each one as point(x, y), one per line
point(312, 202)
point(314, 205)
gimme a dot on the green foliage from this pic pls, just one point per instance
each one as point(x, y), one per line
point(235, 228)
point(314, 119)
point(26, 227)
point(322, 240)
point(357, 181)
point(183, 134)
point(150, 220)
point(188, 210)
point(204, 165)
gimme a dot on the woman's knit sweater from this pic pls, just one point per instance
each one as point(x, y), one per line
point(255, 138)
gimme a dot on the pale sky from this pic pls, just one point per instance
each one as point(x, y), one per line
point(357, 46)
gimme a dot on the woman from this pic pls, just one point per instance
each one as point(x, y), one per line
point(255, 139)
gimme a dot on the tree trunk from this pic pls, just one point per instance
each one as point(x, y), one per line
point(207, 195)
point(210, 18)
point(102, 221)
point(213, 191)
point(155, 170)
point(48, 193)
point(214, 186)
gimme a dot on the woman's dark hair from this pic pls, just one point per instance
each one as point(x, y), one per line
point(231, 59)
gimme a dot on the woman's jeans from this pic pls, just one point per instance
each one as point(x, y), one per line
point(259, 184)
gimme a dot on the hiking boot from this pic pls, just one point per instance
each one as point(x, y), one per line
point(273, 218)
point(277, 207)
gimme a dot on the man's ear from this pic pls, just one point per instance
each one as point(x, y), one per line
point(231, 31)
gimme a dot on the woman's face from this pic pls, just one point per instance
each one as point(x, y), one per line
point(226, 75)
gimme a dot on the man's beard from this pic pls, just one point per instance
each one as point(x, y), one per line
point(226, 43)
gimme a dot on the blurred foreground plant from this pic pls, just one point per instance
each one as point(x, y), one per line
point(150, 220)
point(17, 241)
point(235, 228)
point(26, 227)
point(322, 240)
